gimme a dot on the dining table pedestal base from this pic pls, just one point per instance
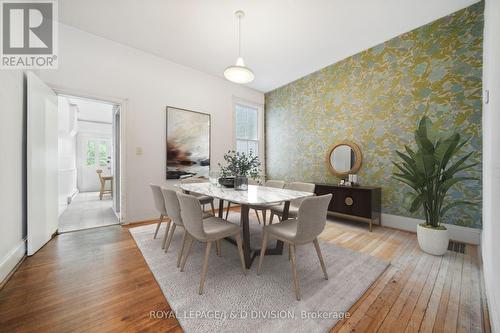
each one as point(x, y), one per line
point(250, 254)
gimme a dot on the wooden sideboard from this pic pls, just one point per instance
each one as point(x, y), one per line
point(359, 203)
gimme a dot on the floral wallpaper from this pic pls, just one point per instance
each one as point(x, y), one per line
point(376, 98)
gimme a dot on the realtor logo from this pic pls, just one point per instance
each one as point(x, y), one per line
point(29, 34)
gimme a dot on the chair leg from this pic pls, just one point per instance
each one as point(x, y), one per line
point(213, 208)
point(158, 226)
point(262, 250)
point(228, 207)
point(169, 239)
point(187, 250)
point(182, 248)
point(205, 266)
point(320, 256)
point(271, 218)
point(217, 248)
point(289, 252)
point(165, 237)
point(294, 271)
point(257, 213)
point(203, 208)
point(264, 213)
point(240, 251)
point(101, 192)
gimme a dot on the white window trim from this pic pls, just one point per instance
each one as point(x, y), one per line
point(260, 127)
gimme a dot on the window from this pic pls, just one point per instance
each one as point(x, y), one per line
point(97, 153)
point(90, 153)
point(247, 129)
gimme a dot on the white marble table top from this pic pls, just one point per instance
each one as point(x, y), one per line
point(256, 195)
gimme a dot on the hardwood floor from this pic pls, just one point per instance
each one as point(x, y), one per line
point(93, 280)
point(97, 280)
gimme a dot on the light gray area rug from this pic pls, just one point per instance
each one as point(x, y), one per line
point(233, 302)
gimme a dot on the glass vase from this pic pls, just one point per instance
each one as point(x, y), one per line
point(241, 183)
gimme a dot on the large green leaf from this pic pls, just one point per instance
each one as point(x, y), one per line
point(404, 169)
point(422, 135)
point(447, 184)
point(455, 204)
point(445, 150)
point(461, 144)
point(408, 182)
point(406, 158)
point(412, 201)
point(456, 166)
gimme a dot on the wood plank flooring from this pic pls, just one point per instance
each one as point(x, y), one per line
point(97, 281)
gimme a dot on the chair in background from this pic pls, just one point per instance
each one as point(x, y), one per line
point(207, 231)
point(204, 199)
point(160, 207)
point(294, 204)
point(310, 222)
point(264, 208)
point(102, 181)
point(174, 213)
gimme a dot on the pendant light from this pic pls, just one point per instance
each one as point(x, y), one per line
point(239, 73)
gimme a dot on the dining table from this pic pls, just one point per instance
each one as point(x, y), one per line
point(254, 195)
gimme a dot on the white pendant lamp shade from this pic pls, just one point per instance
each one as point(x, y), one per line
point(239, 73)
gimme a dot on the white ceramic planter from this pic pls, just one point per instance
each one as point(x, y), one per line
point(433, 241)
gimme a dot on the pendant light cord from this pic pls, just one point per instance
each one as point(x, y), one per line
point(239, 36)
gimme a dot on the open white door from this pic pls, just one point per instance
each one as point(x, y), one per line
point(42, 168)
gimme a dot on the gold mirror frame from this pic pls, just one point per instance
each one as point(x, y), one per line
point(357, 163)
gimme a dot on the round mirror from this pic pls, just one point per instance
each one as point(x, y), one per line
point(344, 158)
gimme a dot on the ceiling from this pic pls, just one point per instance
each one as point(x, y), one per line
point(283, 40)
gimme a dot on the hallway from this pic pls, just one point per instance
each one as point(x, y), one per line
point(87, 211)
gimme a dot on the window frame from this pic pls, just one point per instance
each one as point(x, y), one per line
point(260, 127)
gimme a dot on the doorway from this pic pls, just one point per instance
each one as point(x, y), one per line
point(89, 167)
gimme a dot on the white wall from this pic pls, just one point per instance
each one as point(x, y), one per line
point(67, 151)
point(491, 179)
point(12, 227)
point(94, 66)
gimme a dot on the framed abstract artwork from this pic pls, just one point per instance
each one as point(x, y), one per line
point(188, 143)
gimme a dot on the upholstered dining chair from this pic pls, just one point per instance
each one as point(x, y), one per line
point(310, 222)
point(294, 204)
point(262, 208)
point(174, 213)
point(204, 199)
point(160, 207)
point(207, 231)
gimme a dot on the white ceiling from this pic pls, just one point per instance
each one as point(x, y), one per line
point(283, 40)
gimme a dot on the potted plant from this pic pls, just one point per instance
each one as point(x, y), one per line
point(239, 166)
point(430, 172)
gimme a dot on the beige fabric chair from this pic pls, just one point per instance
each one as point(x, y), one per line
point(294, 204)
point(207, 231)
point(310, 222)
point(174, 213)
point(264, 208)
point(160, 206)
point(204, 199)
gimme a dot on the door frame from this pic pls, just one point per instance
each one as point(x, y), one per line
point(122, 104)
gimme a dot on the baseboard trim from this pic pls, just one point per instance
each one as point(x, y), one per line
point(11, 261)
point(72, 196)
point(457, 233)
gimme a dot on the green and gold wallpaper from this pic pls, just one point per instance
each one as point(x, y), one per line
point(376, 98)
